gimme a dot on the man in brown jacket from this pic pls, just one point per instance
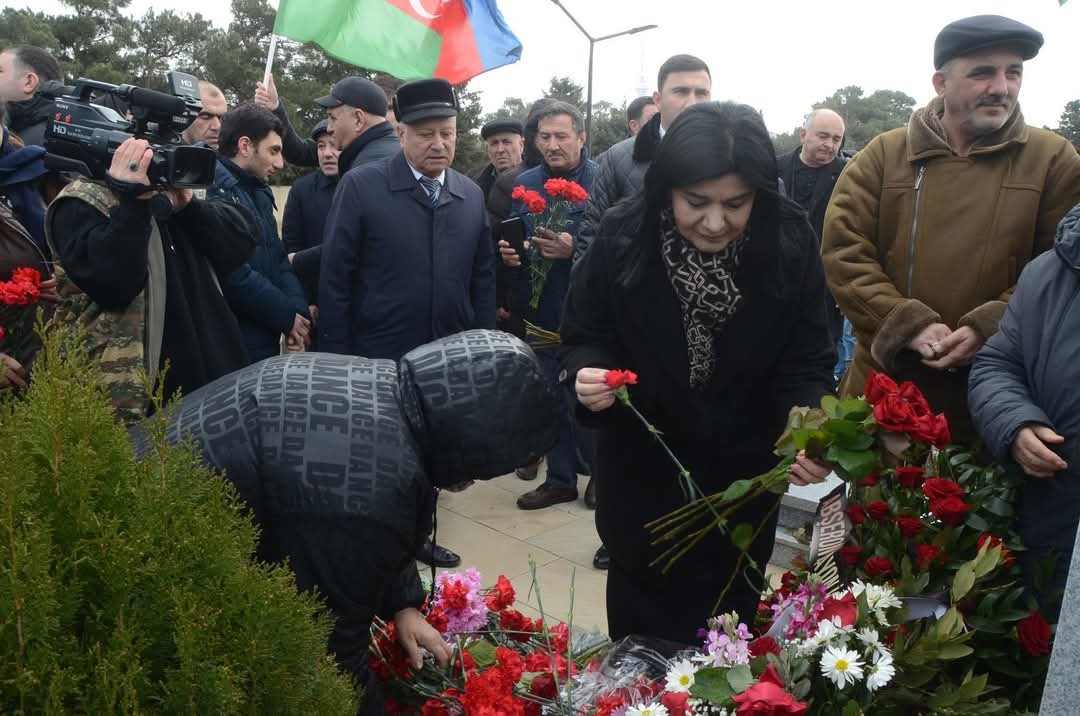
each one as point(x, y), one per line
point(930, 225)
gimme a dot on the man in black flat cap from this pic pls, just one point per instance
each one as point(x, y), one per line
point(356, 120)
point(407, 253)
point(930, 225)
point(304, 220)
point(505, 140)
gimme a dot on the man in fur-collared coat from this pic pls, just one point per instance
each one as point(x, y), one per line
point(931, 224)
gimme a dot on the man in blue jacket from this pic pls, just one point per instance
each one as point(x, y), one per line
point(1024, 397)
point(264, 293)
point(560, 137)
point(407, 256)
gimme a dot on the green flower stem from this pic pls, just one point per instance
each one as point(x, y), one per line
point(743, 556)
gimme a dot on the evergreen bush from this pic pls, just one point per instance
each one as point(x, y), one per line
point(130, 585)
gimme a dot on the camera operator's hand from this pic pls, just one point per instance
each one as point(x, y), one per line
point(137, 153)
point(266, 95)
point(179, 197)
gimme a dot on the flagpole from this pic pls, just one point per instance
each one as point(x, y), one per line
point(269, 60)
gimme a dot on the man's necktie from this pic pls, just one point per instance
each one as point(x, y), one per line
point(432, 187)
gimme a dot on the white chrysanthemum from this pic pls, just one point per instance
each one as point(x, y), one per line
point(880, 672)
point(841, 665)
point(680, 677)
point(869, 637)
point(653, 709)
point(879, 597)
point(830, 631)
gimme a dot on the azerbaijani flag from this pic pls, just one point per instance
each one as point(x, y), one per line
point(410, 39)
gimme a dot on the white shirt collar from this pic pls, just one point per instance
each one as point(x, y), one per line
point(662, 131)
point(441, 178)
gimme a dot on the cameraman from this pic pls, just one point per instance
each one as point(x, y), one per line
point(138, 268)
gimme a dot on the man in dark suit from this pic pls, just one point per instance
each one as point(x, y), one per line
point(809, 174)
point(407, 255)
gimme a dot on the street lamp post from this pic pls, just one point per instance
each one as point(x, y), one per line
point(592, 44)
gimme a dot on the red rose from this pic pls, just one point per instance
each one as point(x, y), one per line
point(937, 488)
point(764, 645)
point(950, 510)
point(678, 704)
point(846, 608)
point(877, 567)
point(768, 698)
point(1007, 559)
point(909, 477)
point(933, 429)
point(914, 397)
point(1034, 634)
point(895, 414)
point(856, 514)
point(870, 480)
point(850, 555)
point(878, 385)
point(925, 555)
point(618, 378)
point(909, 526)
point(877, 510)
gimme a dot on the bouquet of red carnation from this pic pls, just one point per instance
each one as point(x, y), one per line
point(552, 216)
point(18, 295)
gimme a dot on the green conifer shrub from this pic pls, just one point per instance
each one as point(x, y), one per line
point(130, 586)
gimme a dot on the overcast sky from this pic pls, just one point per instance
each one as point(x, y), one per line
point(778, 55)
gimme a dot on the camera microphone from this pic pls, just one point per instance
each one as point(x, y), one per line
point(157, 102)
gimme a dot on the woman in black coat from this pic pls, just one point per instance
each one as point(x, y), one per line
point(709, 286)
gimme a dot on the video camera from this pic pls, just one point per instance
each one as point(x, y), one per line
point(82, 137)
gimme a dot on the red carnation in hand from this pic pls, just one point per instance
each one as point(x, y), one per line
point(937, 488)
point(1034, 634)
point(950, 510)
point(438, 619)
point(878, 510)
point(764, 645)
point(877, 567)
point(767, 697)
point(909, 477)
point(1007, 558)
point(856, 514)
point(926, 554)
point(909, 526)
point(618, 378)
point(878, 385)
point(850, 555)
point(518, 192)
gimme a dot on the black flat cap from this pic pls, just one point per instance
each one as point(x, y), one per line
point(425, 99)
point(496, 126)
point(982, 31)
point(320, 129)
point(356, 92)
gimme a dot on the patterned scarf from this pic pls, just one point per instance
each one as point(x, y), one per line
point(705, 286)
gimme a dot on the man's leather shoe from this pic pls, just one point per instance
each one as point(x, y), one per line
point(437, 556)
point(590, 494)
point(602, 560)
point(546, 496)
point(529, 472)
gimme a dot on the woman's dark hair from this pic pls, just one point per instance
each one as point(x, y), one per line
point(706, 141)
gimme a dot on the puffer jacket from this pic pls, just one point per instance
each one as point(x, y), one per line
point(265, 293)
point(337, 458)
point(1028, 372)
point(621, 174)
point(917, 235)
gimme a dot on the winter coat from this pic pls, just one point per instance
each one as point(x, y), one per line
point(916, 235)
point(549, 310)
point(773, 354)
point(396, 273)
point(1028, 372)
point(379, 142)
point(337, 458)
point(303, 226)
point(265, 293)
point(621, 174)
